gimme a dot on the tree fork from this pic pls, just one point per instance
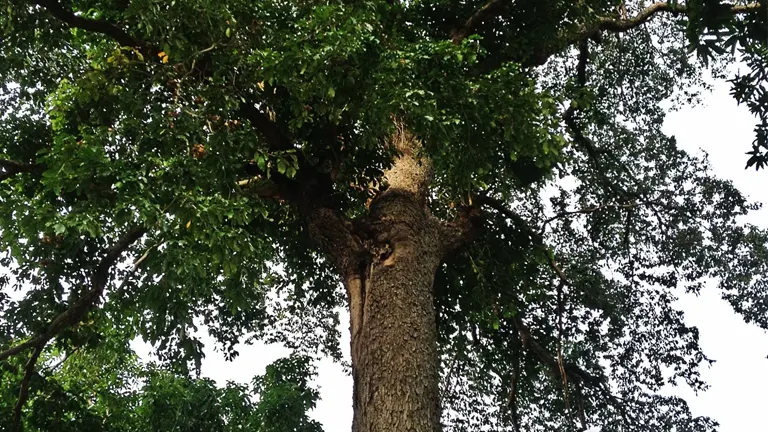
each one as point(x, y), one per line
point(395, 361)
point(387, 263)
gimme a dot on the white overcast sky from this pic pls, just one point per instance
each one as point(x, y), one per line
point(737, 397)
point(739, 378)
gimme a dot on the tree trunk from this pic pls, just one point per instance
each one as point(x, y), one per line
point(388, 262)
point(395, 362)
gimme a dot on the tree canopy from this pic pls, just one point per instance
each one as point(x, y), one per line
point(163, 165)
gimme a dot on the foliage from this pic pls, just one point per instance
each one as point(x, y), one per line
point(108, 389)
point(140, 142)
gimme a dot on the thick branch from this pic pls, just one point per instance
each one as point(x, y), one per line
point(261, 187)
point(9, 168)
point(614, 25)
point(489, 10)
point(623, 25)
point(456, 234)
point(276, 140)
point(97, 26)
point(75, 313)
point(309, 189)
point(569, 116)
point(101, 276)
point(581, 81)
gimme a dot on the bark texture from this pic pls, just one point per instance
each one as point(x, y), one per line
point(394, 350)
point(395, 361)
point(388, 263)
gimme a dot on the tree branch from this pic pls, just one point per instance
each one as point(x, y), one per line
point(509, 214)
point(575, 373)
point(299, 189)
point(581, 81)
point(490, 9)
point(521, 223)
point(336, 236)
point(557, 367)
point(614, 25)
point(303, 190)
point(623, 25)
point(571, 123)
point(460, 232)
point(276, 140)
point(77, 311)
point(63, 360)
point(29, 370)
point(260, 187)
point(9, 168)
point(588, 210)
point(97, 26)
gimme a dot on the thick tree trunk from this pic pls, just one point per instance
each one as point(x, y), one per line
point(395, 362)
point(388, 262)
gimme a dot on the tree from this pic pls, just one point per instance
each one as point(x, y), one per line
point(483, 185)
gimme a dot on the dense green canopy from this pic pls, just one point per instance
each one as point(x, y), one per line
point(141, 142)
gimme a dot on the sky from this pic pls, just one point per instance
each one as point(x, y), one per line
point(739, 376)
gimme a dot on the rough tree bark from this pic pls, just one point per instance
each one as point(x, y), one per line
point(387, 263)
point(395, 362)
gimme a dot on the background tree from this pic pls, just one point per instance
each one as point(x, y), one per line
point(484, 185)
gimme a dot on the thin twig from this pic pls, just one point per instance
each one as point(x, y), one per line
point(588, 210)
point(63, 360)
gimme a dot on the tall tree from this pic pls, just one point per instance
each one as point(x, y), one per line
point(483, 185)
